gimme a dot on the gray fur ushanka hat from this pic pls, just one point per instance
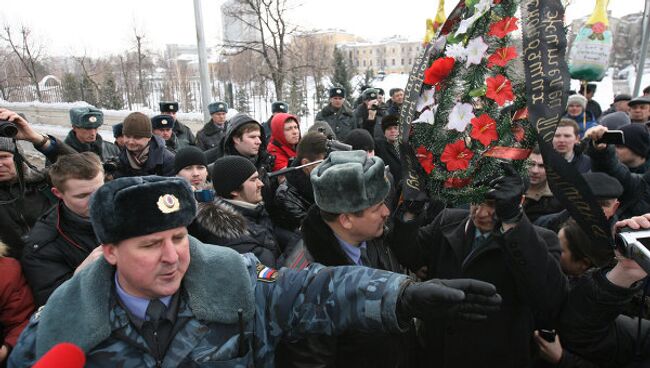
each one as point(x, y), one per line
point(349, 181)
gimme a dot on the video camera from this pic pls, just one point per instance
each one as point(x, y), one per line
point(8, 129)
point(633, 244)
point(332, 144)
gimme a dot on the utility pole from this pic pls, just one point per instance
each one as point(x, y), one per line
point(203, 59)
point(644, 48)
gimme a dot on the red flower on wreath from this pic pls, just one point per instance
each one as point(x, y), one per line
point(502, 56)
point(503, 27)
point(456, 156)
point(456, 182)
point(425, 158)
point(499, 89)
point(484, 129)
point(518, 131)
point(438, 71)
point(598, 27)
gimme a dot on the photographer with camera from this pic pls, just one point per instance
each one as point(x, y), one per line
point(24, 190)
point(592, 324)
point(369, 113)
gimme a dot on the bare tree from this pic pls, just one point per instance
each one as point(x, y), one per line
point(266, 31)
point(124, 70)
point(10, 76)
point(87, 77)
point(28, 51)
point(141, 56)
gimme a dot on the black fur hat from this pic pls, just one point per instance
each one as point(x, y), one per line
point(129, 207)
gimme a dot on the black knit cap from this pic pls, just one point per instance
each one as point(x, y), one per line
point(189, 156)
point(360, 139)
point(637, 138)
point(229, 173)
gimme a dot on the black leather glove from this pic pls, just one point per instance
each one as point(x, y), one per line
point(507, 191)
point(466, 298)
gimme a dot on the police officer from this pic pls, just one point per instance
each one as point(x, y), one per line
point(144, 304)
point(212, 132)
point(276, 108)
point(338, 114)
point(182, 131)
point(83, 136)
point(163, 126)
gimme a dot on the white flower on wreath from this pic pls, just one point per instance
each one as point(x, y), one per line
point(427, 117)
point(482, 6)
point(476, 49)
point(457, 51)
point(465, 25)
point(461, 115)
point(426, 99)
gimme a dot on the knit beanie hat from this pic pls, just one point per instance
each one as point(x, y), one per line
point(137, 125)
point(189, 156)
point(229, 173)
point(637, 138)
point(615, 120)
point(360, 139)
point(117, 130)
point(577, 99)
point(7, 145)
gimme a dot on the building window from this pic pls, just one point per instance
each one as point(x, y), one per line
point(364, 63)
point(402, 61)
point(357, 62)
point(393, 62)
point(410, 61)
point(370, 62)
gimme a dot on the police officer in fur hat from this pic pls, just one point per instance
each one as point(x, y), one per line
point(338, 114)
point(212, 132)
point(83, 136)
point(182, 131)
point(160, 297)
point(276, 108)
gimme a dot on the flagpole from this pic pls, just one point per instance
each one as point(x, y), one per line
point(644, 48)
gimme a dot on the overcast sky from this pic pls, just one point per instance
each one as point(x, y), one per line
point(72, 27)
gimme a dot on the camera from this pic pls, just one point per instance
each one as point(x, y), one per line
point(633, 244)
point(111, 165)
point(204, 196)
point(334, 145)
point(8, 129)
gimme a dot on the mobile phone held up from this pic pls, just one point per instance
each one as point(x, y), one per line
point(612, 137)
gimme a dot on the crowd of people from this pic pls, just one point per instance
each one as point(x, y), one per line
point(261, 244)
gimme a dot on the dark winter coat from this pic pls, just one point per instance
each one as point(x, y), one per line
point(581, 162)
point(160, 161)
point(591, 323)
point(184, 134)
point(387, 152)
point(349, 349)
point(210, 135)
point(219, 223)
point(393, 108)
point(292, 200)
point(55, 247)
point(372, 126)
point(278, 146)
point(523, 265)
point(105, 150)
point(173, 144)
point(594, 109)
point(16, 304)
point(342, 121)
point(540, 204)
point(19, 213)
point(635, 200)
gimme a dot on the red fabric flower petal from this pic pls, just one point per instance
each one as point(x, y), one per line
point(456, 182)
point(503, 27)
point(484, 129)
point(425, 158)
point(499, 89)
point(502, 56)
point(456, 156)
point(518, 131)
point(439, 70)
point(521, 114)
point(598, 27)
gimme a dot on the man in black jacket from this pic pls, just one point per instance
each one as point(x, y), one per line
point(63, 238)
point(212, 132)
point(145, 153)
point(369, 114)
point(24, 192)
point(385, 146)
point(494, 241)
point(83, 136)
point(346, 228)
point(183, 132)
point(337, 114)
